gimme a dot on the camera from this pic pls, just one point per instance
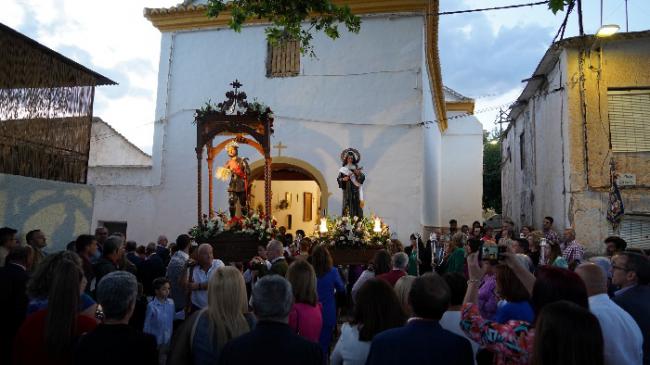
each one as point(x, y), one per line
point(493, 253)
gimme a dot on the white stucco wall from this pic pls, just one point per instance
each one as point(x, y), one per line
point(109, 148)
point(363, 91)
point(432, 158)
point(461, 174)
point(538, 190)
point(368, 91)
point(61, 210)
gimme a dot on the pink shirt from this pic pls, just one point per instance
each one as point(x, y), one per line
point(306, 320)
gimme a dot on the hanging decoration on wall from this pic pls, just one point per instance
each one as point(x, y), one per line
point(615, 210)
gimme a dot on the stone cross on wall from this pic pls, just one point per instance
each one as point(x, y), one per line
point(280, 147)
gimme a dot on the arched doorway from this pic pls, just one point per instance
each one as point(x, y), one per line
point(299, 192)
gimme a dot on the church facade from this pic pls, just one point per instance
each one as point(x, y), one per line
point(370, 91)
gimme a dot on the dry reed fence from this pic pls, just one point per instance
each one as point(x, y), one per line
point(45, 110)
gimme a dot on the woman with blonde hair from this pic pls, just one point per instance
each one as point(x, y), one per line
point(402, 289)
point(226, 316)
point(305, 317)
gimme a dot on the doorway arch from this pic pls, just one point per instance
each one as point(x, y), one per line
point(300, 166)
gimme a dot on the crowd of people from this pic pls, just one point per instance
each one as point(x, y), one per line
point(468, 295)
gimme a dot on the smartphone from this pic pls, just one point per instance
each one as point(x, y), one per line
point(490, 253)
point(493, 253)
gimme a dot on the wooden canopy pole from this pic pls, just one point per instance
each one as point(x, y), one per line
point(210, 187)
point(267, 186)
point(199, 153)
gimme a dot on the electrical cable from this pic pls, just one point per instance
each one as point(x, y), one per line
point(514, 6)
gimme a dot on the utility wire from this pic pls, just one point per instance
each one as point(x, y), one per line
point(493, 8)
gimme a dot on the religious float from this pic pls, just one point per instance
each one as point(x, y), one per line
point(352, 240)
point(236, 236)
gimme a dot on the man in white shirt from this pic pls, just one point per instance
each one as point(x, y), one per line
point(622, 336)
point(451, 318)
point(201, 274)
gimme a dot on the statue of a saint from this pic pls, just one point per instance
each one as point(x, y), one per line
point(238, 170)
point(351, 180)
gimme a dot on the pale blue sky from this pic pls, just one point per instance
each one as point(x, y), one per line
point(484, 55)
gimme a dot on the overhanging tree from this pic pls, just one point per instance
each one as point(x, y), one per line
point(491, 171)
point(287, 18)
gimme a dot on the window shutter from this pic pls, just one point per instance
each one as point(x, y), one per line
point(629, 120)
point(283, 59)
point(635, 230)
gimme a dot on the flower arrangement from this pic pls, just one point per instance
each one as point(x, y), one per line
point(353, 232)
point(255, 225)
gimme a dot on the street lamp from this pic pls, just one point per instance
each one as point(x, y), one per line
point(607, 30)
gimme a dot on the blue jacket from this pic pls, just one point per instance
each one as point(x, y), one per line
point(420, 342)
point(636, 301)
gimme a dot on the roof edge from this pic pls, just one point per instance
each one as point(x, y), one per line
point(100, 120)
point(551, 56)
point(99, 78)
point(190, 16)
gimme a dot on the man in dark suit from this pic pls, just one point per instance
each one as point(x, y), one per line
point(131, 255)
point(631, 272)
point(152, 268)
point(13, 298)
point(275, 254)
point(272, 301)
point(114, 341)
point(111, 253)
point(399, 262)
point(162, 250)
point(422, 340)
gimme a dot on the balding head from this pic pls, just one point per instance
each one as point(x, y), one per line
point(595, 278)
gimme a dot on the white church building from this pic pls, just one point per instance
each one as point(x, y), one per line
point(421, 150)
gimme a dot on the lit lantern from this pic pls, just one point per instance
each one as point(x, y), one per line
point(323, 225)
point(377, 227)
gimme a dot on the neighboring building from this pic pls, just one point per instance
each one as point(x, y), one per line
point(109, 148)
point(45, 120)
point(564, 134)
point(421, 149)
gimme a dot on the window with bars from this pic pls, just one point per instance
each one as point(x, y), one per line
point(635, 230)
point(283, 59)
point(629, 120)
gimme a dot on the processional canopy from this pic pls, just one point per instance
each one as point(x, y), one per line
point(237, 117)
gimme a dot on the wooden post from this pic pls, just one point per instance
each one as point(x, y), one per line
point(210, 185)
point(199, 153)
point(267, 186)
